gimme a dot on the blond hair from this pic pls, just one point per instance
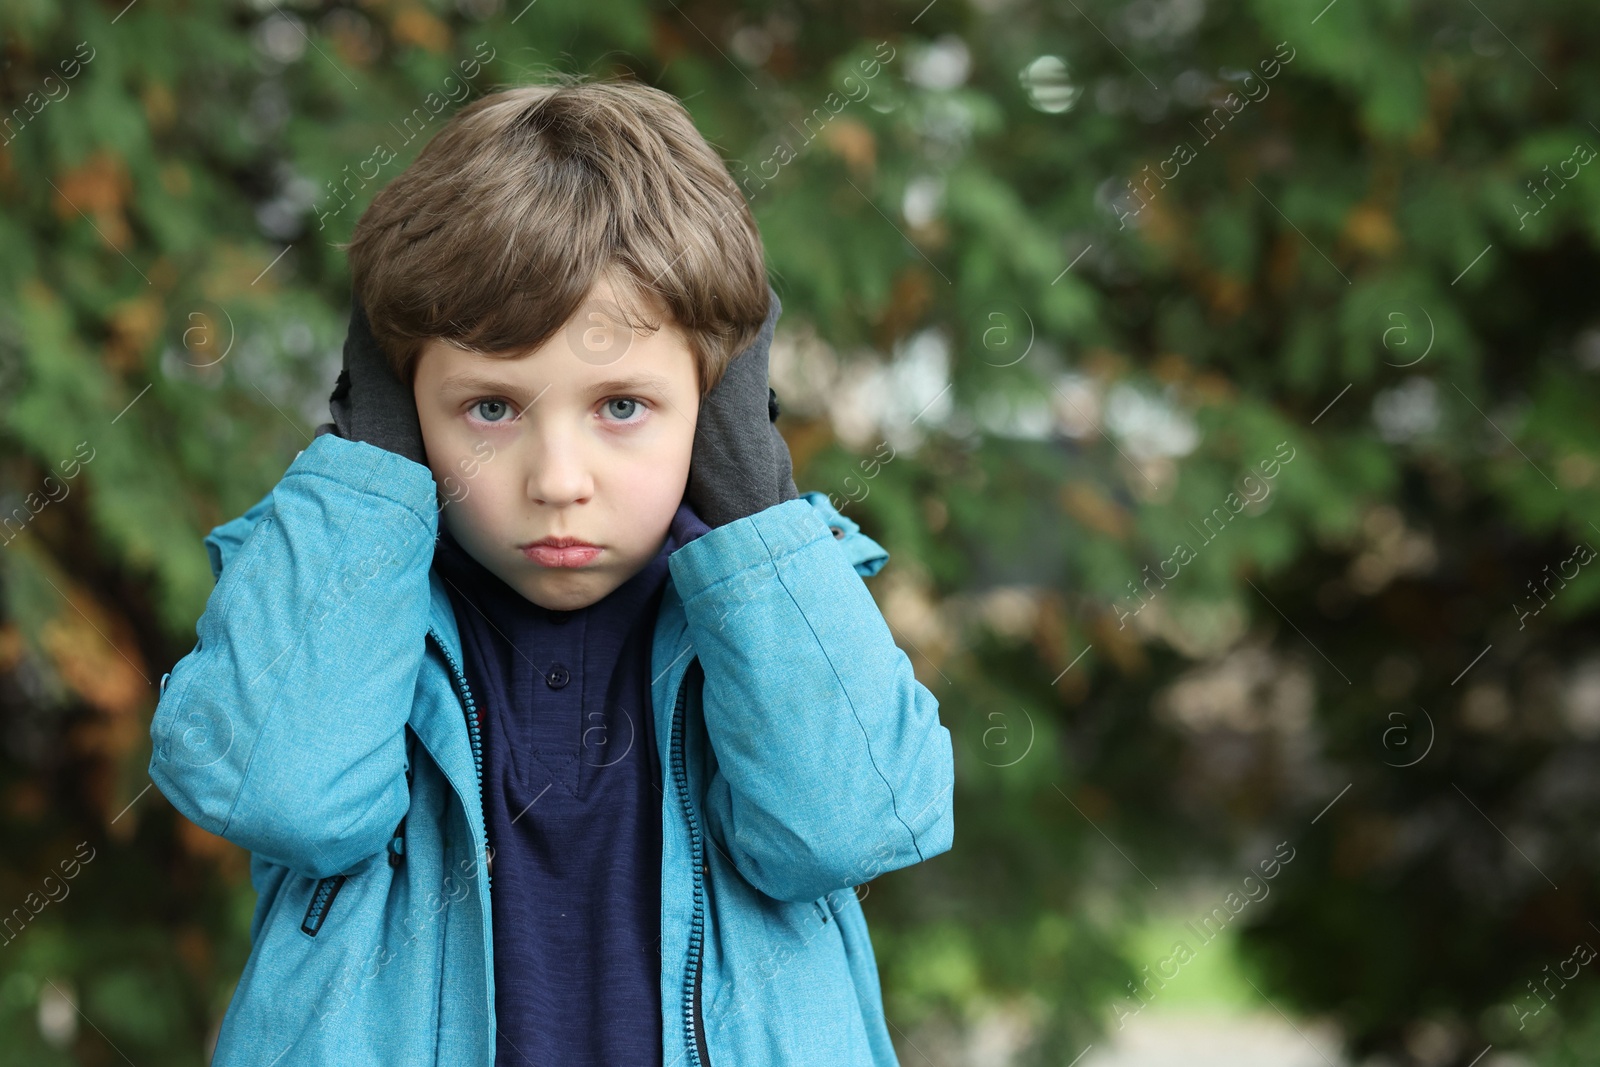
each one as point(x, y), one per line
point(497, 231)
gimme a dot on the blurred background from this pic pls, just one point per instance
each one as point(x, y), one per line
point(1227, 402)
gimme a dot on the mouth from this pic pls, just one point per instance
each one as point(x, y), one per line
point(561, 552)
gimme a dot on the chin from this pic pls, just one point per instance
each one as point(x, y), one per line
point(569, 599)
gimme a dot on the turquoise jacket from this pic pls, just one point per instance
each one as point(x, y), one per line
point(322, 721)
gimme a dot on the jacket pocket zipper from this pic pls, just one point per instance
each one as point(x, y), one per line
point(695, 1023)
point(321, 900)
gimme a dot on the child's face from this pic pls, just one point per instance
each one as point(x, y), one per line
point(586, 437)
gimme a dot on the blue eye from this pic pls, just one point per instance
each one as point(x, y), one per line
point(631, 407)
point(503, 407)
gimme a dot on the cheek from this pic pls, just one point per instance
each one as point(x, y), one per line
point(490, 491)
point(474, 480)
point(653, 486)
point(653, 482)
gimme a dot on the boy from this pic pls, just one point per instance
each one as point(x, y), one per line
point(559, 725)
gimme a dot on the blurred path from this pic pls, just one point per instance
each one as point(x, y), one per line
point(1217, 1039)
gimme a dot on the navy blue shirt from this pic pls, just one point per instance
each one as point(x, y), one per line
point(572, 805)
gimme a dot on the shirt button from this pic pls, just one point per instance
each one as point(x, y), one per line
point(558, 677)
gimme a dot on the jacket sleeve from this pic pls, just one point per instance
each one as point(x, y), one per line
point(283, 729)
point(831, 764)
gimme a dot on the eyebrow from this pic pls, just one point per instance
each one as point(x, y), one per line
point(478, 383)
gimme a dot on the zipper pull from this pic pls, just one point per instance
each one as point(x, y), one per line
point(397, 844)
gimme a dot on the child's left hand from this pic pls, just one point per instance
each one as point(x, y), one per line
point(740, 464)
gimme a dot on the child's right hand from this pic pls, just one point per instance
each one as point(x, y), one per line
point(369, 403)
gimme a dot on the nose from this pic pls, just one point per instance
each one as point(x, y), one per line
point(559, 468)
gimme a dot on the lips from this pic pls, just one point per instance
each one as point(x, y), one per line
point(561, 552)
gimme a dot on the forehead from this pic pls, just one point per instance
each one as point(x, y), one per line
point(580, 357)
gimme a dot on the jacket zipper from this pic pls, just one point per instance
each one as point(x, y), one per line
point(321, 900)
point(694, 1023)
point(458, 678)
point(475, 734)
